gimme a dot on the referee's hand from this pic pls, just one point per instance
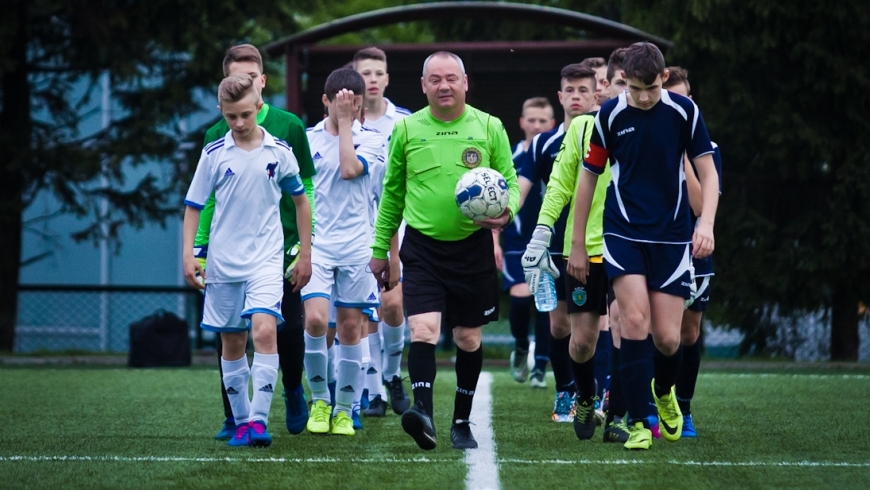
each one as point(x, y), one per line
point(495, 223)
point(381, 269)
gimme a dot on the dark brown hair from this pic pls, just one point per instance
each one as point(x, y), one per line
point(644, 61)
point(615, 62)
point(677, 76)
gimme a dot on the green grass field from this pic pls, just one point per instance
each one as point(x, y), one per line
point(117, 428)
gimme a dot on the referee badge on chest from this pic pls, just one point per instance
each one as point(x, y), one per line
point(471, 157)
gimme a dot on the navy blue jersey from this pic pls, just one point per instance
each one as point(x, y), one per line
point(704, 267)
point(516, 235)
point(537, 168)
point(647, 199)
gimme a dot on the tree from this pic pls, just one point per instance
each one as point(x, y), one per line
point(784, 88)
point(159, 55)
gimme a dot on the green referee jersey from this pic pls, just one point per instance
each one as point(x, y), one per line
point(563, 187)
point(288, 127)
point(426, 159)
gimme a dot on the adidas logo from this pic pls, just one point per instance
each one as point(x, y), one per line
point(372, 370)
point(347, 389)
point(266, 389)
point(317, 379)
point(372, 297)
point(355, 146)
point(317, 156)
point(229, 172)
point(232, 391)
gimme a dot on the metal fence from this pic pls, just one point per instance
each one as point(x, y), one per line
point(96, 318)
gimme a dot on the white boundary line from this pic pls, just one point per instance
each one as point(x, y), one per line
point(482, 462)
point(579, 462)
point(785, 375)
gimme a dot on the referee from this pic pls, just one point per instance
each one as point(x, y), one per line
point(448, 260)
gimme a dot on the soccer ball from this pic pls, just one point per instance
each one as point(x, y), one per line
point(482, 193)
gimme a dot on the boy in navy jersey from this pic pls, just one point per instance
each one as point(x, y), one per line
point(648, 235)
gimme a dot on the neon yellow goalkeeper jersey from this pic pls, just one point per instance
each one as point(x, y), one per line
point(562, 187)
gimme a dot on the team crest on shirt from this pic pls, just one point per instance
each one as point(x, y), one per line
point(471, 157)
point(270, 168)
point(579, 297)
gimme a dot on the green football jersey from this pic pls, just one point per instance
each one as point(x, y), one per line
point(562, 187)
point(282, 125)
point(427, 157)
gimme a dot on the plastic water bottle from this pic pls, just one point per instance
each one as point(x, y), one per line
point(545, 296)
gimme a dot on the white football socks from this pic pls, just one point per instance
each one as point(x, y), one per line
point(361, 379)
point(374, 380)
point(236, 374)
point(315, 367)
point(394, 343)
point(264, 375)
point(349, 366)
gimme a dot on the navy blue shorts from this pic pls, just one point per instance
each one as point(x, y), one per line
point(702, 297)
point(665, 265)
point(512, 270)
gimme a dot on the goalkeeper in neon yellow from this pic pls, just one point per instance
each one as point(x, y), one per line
point(287, 127)
point(586, 293)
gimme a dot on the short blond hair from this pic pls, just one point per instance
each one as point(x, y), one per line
point(235, 87)
point(538, 102)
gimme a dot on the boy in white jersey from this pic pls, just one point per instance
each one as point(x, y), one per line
point(247, 171)
point(381, 114)
point(341, 149)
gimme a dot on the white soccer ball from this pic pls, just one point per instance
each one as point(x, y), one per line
point(482, 193)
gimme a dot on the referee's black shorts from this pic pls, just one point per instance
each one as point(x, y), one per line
point(457, 278)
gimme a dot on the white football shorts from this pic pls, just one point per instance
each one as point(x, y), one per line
point(228, 303)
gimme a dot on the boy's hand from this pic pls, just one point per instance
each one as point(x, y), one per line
point(578, 263)
point(345, 105)
point(194, 272)
point(702, 241)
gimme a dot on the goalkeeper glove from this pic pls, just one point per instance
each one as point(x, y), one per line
point(293, 255)
point(536, 260)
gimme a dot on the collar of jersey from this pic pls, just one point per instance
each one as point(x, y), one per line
point(264, 111)
point(321, 126)
point(268, 140)
point(449, 123)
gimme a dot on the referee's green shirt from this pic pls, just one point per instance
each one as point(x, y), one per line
point(427, 157)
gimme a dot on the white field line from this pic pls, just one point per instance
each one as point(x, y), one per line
point(417, 460)
point(785, 375)
point(482, 463)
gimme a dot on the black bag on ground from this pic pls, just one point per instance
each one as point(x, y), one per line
point(159, 339)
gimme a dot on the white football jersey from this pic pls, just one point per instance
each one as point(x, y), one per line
point(385, 123)
point(343, 223)
point(246, 238)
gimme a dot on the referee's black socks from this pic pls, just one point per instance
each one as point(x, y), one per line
point(468, 367)
point(422, 370)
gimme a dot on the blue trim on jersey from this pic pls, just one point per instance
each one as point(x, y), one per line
point(292, 185)
point(214, 146)
point(194, 205)
point(200, 251)
point(212, 328)
point(247, 314)
point(363, 306)
point(331, 325)
point(402, 110)
point(283, 144)
point(365, 165)
point(364, 128)
point(315, 295)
